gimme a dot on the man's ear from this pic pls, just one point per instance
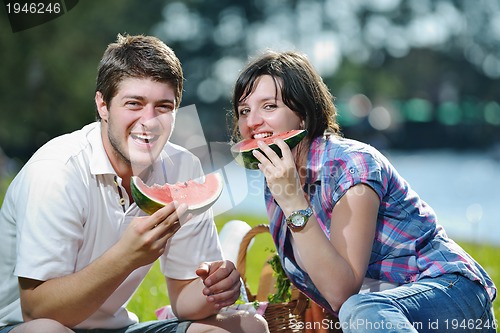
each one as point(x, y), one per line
point(102, 107)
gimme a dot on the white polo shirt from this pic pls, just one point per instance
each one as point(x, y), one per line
point(63, 210)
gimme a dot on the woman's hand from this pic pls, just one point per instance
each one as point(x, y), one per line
point(282, 176)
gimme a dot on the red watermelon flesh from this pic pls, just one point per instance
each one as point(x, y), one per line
point(242, 151)
point(196, 195)
point(250, 144)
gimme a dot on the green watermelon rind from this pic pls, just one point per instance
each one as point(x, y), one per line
point(150, 205)
point(247, 160)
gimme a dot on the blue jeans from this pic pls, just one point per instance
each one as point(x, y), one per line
point(157, 326)
point(448, 303)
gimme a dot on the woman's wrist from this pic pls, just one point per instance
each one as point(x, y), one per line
point(293, 205)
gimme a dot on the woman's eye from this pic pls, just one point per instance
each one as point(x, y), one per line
point(270, 106)
point(244, 112)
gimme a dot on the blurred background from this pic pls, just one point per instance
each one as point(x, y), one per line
point(419, 80)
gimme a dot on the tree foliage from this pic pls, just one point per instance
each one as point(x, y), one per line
point(48, 72)
point(393, 50)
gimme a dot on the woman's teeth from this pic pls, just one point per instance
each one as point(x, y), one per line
point(262, 135)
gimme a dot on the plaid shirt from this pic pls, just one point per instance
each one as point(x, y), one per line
point(409, 244)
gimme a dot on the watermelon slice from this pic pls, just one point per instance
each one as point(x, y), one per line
point(242, 151)
point(198, 196)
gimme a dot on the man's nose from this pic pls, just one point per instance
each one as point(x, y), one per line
point(148, 113)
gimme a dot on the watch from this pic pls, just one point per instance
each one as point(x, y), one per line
point(298, 219)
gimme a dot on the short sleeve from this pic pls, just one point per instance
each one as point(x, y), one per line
point(50, 221)
point(353, 168)
point(195, 242)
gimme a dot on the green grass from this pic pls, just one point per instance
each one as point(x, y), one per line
point(152, 295)
point(487, 256)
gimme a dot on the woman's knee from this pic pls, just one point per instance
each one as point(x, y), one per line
point(42, 325)
point(350, 306)
point(362, 306)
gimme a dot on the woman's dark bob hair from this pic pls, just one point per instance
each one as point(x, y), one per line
point(302, 90)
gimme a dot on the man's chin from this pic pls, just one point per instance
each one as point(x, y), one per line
point(142, 161)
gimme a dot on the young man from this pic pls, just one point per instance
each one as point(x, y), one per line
point(74, 247)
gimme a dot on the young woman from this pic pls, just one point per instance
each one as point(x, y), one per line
point(341, 216)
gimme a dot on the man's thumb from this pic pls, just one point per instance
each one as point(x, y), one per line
point(203, 270)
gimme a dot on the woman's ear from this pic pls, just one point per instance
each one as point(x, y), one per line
point(101, 106)
point(302, 124)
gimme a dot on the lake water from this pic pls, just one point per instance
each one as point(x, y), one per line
point(462, 187)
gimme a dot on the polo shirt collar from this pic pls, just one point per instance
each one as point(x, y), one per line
point(99, 163)
point(158, 170)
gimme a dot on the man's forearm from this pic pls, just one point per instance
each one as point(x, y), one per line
point(190, 303)
point(73, 298)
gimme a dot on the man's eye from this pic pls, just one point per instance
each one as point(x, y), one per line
point(165, 108)
point(132, 104)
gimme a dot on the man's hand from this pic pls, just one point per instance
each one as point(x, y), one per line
point(61, 298)
point(222, 282)
point(145, 238)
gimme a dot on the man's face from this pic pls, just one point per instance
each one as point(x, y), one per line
point(137, 123)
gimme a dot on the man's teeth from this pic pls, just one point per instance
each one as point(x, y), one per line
point(262, 135)
point(144, 137)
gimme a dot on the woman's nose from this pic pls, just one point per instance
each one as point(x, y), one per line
point(254, 119)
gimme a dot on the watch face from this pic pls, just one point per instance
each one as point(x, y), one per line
point(298, 220)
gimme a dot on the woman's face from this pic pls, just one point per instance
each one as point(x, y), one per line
point(262, 113)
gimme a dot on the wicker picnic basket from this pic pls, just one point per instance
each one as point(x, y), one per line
point(281, 317)
point(287, 317)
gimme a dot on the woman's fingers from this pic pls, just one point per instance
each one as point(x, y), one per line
point(285, 150)
point(269, 153)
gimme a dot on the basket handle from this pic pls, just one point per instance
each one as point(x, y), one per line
point(242, 252)
point(302, 299)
